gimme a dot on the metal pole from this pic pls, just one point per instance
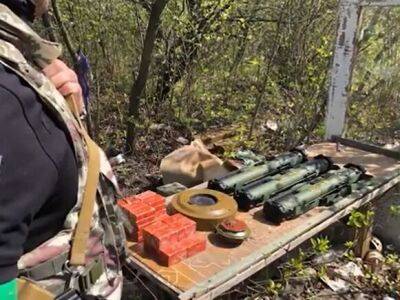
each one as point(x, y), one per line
point(380, 3)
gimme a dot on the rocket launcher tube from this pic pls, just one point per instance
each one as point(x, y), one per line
point(257, 192)
point(323, 191)
point(236, 179)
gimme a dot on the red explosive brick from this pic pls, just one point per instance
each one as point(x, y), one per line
point(132, 199)
point(184, 226)
point(130, 234)
point(146, 195)
point(152, 241)
point(159, 208)
point(188, 222)
point(142, 227)
point(156, 204)
point(148, 249)
point(133, 207)
point(164, 218)
point(148, 199)
point(139, 234)
point(171, 254)
point(143, 210)
point(152, 199)
point(151, 229)
point(128, 200)
point(149, 232)
point(145, 221)
point(158, 235)
point(131, 210)
point(160, 214)
point(135, 235)
point(122, 203)
point(172, 238)
point(177, 217)
point(195, 244)
point(186, 231)
point(165, 236)
point(180, 219)
point(140, 211)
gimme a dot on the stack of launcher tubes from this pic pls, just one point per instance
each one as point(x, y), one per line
point(290, 185)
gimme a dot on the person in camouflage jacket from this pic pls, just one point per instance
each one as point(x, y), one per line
point(31, 63)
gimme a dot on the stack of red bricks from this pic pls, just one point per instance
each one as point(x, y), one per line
point(172, 239)
point(169, 239)
point(142, 210)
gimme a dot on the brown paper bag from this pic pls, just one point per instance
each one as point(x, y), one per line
point(191, 165)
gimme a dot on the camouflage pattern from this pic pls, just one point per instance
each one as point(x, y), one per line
point(260, 190)
point(24, 52)
point(236, 179)
point(326, 190)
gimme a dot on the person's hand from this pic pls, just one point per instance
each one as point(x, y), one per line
point(66, 81)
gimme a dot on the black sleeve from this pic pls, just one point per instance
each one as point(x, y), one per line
point(27, 177)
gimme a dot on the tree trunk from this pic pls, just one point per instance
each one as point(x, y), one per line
point(140, 82)
point(64, 33)
point(176, 65)
point(49, 27)
point(266, 75)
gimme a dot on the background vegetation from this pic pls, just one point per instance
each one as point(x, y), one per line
point(258, 69)
point(213, 63)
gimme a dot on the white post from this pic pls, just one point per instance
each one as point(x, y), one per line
point(349, 14)
point(380, 3)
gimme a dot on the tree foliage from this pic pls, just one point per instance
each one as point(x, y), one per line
point(223, 62)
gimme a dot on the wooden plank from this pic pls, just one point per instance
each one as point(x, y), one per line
point(363, 237)
point(366, 147)
point(375, 164)
point(263, 257)
point(181, 276)
point(137, 265)
point(342, 68)
point(197, 272)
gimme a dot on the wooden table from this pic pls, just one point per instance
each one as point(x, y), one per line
point(218, 269)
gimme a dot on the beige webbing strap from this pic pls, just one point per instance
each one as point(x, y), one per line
point(82, 231)
point(29, 290)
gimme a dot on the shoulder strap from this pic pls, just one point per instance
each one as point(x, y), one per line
point(82, 231)
point(28, 290)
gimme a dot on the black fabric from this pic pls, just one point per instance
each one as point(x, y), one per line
point(38, 173)
point(25, 9)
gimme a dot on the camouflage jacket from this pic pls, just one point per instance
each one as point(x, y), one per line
point(24, 52)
